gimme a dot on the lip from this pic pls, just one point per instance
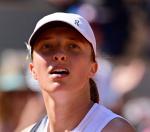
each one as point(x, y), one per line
point(57, 75)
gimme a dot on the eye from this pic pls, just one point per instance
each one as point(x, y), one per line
point(74, 46)
point(46, 46)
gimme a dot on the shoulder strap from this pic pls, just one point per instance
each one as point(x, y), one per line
point(36, 126)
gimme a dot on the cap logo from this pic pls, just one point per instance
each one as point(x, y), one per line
point(76, 22)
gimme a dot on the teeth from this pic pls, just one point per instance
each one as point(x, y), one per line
point(60, 70)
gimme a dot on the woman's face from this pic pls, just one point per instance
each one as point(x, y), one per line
point(62, 61)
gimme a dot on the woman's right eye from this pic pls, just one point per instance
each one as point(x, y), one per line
point(46, 46)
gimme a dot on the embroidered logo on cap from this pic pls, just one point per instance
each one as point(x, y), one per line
point(76, 22)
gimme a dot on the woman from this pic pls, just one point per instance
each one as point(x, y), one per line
point(63, 49)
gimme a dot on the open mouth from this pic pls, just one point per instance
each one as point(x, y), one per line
point(60, 72)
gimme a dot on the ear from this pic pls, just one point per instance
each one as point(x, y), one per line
point(32, 70)
point(93, 70)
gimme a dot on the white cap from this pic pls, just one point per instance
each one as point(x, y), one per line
point(75, 20)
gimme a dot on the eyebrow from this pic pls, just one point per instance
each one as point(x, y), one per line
point(79, 39)
point(69, 37)
point(72, 38)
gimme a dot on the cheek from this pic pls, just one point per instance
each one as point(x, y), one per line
point(83, 68)
point(39, 65)
point(80, 75)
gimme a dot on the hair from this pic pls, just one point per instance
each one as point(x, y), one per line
point(93, 91)
point(93, 88)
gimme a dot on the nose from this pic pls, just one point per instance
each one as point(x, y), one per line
point(59, 57)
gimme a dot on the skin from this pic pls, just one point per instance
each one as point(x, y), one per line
point(118, 125)
point(65, 48)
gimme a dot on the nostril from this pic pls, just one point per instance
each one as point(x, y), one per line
point(62, 58)
point(55, 58)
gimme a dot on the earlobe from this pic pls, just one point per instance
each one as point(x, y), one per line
point(32, 70)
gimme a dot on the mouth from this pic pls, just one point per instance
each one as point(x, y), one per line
point(61, 72)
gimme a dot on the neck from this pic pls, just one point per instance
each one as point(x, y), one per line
point(60, 114)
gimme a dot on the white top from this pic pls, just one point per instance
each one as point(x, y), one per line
point(94, 121)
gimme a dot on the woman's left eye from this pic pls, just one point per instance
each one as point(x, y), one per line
point(74, 46)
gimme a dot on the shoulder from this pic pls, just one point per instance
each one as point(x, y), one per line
point(118, 125)
point(28, 129)
point(36, 125)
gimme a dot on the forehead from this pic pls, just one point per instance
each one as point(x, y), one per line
point(65, 32)
point(50, 26)
point(66, 28)
point(56, 29)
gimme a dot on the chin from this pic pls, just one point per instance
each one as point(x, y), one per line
point(55, 86)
